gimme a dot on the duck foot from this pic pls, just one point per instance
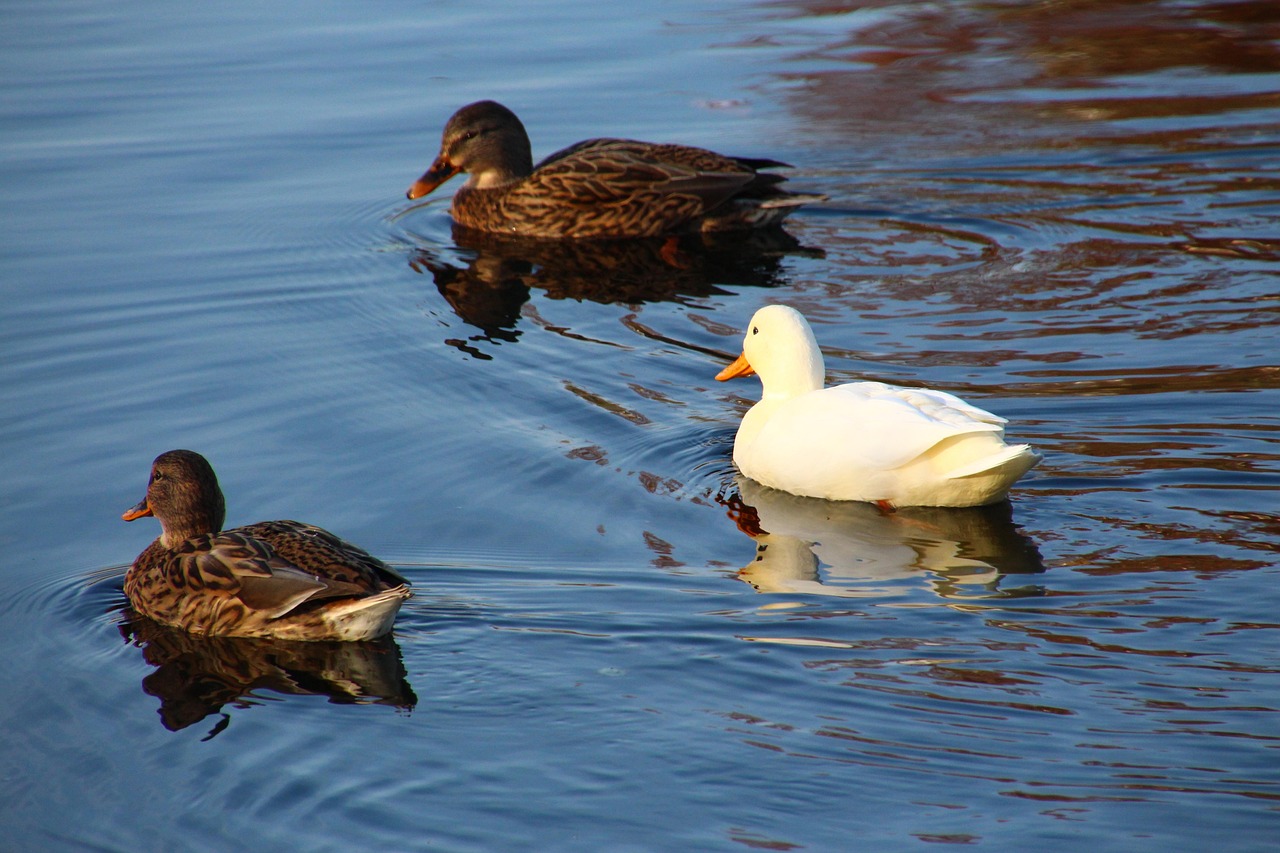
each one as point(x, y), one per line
point(744, 515)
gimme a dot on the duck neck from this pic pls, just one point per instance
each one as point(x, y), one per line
point(795, 373)
point(494, 177)
point(502, 160)
point(196, 519)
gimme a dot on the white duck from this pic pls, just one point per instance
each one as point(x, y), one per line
point(865, 441)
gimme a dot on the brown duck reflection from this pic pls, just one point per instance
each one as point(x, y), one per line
point(847, 548)
point(196, 676)
point(501, 272)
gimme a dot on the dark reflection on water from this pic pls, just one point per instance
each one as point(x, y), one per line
point(495, 276)
point(198, 676)
point(847, 548)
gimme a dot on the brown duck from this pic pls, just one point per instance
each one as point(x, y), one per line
point(600, 187)
point(279, 579)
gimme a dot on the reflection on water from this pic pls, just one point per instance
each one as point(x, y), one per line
point(849, 548)
point(499, 274)
point(196, 676)
point(1068, 62)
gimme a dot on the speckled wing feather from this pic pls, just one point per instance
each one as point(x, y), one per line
point(327, 555)
point(610, 188)
point(247, 568)
point(248, 575)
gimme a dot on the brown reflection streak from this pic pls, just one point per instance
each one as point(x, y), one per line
point(607, 405)
point(881, 747)
point(662, 550)
point(884, 747)
point(656, 484)
point(1134, 786)
point(1263, 529)
point(590, 453)
point(755, 842)
point(957, 700)
point(975, 676)
point(652, 394)
point(1156, 380)
point(1202, 564)
point(909, 69)
point(1063, 798)
point(1080, 640)
point(1086, 39)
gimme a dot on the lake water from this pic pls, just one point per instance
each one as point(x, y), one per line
point(1067, 213)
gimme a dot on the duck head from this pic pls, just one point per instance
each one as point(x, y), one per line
point(184, 496)
point(484, 139)
point(781, 348)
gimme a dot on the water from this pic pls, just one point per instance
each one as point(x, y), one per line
point(1065, 213)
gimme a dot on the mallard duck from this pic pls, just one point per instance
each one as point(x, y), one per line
point(280, 579)
point(865, 441)
point(599, 187)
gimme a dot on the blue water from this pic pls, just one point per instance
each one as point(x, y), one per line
point(1065, 214)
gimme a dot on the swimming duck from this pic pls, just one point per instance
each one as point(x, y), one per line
point(281, 579)
point(865, 441)
point(599, 187)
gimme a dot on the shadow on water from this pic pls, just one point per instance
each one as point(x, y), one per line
point(853, 549)
point(488, 282)
point(197, 676)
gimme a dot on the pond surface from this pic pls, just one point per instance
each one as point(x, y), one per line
point(1066, 213)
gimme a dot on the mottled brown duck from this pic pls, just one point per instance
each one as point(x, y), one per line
point(599, 187)
point(280, 579)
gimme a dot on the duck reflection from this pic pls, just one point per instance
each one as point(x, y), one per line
point(849, 548)
point(500, 272)
point(196, 676)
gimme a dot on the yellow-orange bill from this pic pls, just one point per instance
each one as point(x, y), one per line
point(740, 367)
point(441, 170)
point(139, 510)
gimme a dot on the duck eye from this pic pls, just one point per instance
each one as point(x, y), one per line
point(755, 330)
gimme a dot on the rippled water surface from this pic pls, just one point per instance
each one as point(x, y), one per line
point(1067, 213)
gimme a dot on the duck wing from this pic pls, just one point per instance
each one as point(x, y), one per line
point(232, 565)
point(700, 159)
point(323, 554)
point(611, 186)
point(867, 426)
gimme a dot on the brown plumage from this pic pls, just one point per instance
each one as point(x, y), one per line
point(599, 187)
point(279, 579)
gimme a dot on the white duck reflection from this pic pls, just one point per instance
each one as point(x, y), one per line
point(849, 548)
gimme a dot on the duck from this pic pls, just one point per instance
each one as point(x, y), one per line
point(862, 441)
point(598, 188)
point(280, 579)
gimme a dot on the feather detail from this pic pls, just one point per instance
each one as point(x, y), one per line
point(599, 188)
point(280, 579)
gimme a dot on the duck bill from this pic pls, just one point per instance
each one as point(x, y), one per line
point(441, 170)
point(139, 510)
point(741, 367)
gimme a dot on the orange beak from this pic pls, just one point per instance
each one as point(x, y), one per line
point(139, 510)
point(441, 170)
point(741, 367)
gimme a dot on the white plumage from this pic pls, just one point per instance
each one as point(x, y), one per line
point(865, 441)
